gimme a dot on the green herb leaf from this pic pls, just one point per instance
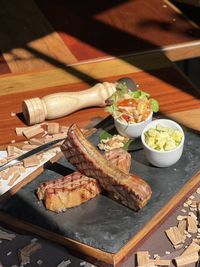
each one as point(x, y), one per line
point(154, 105)
point(104, 135)
point(126, 145)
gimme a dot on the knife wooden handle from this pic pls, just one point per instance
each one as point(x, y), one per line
point(36, 110)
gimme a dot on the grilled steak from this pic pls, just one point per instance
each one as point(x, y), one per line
point(76, 188)
point(67, 192)
point(128, 189)
point(120, 158)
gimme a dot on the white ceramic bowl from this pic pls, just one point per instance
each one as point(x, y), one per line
point(132, 130)
point(163, 158)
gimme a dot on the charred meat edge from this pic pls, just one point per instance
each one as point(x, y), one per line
point(128, 189)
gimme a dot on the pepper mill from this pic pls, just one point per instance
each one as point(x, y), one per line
point(36, 110)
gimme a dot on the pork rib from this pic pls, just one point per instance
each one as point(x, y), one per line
point(128, 189)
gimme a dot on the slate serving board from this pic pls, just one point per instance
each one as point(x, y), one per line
point(102, 223)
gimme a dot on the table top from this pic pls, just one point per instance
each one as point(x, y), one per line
point(178, 98)
point(50, 56)
point(39, 35)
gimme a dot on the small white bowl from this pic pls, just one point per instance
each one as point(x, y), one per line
point(132, 130)
point(163, 158)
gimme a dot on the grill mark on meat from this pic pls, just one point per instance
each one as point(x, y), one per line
point(65, 182)
point(68, 192)
point(130, 190)
point(120, 158)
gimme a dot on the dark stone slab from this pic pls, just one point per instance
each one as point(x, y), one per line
point(102, 223)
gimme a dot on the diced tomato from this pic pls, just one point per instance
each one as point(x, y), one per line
point(127, 103)
point(126, 117)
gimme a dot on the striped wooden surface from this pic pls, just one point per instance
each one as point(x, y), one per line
point(176, 95)
point(41, 35)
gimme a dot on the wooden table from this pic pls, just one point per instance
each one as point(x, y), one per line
point(178, 99)
point(41, 35)
point(51, 56)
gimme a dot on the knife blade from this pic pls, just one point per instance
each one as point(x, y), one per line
point(30, 153)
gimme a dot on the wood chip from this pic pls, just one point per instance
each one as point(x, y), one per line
point(183, 210)
point(6, 236)
point(198, 190)
point(17, 150)
point(159, 262)
point(29, 147)
point(193, 247)
point(31, 161)
point(25, 253)
point(175, 235)
point(189, 202)
point(36, 141)
point(20, 130)
point(10, 151)
point(180, 217)
point(29, 133)
point(182, 226)
point(14, 178)
point(53, 128)
point(183, 260)
point(179, 246)
point(64, 129)
point(64, 263)
point(58, 136)
point(191, 225)
point(9, 173)
point(142, 258)
point(3, 160)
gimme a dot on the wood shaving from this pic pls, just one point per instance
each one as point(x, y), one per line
point(35, 141)
point(183, 210)
point(175, 236)
point(182, 226)
point(183, 260)
point(191, 225)
point(14, 178)
point(159, 262)
point(20, 130)
point(53, 128)
point(29, 133)
point(64, 263)
point(25, 253)
point(198, 190)
point(193, 247)
point(142, 258)
point(29, 147)
point(6, 236)
point(180, 217)
point(64, 129)
point(10, 150)
point(31, 161)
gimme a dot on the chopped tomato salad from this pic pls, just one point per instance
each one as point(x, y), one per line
point(131, 106)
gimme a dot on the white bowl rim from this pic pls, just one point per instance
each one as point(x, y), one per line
point(156, 121)
point(136, 123)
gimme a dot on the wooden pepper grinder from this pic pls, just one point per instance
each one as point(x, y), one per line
point(36, 110)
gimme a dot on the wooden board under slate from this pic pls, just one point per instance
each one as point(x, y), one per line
point(102, 228)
